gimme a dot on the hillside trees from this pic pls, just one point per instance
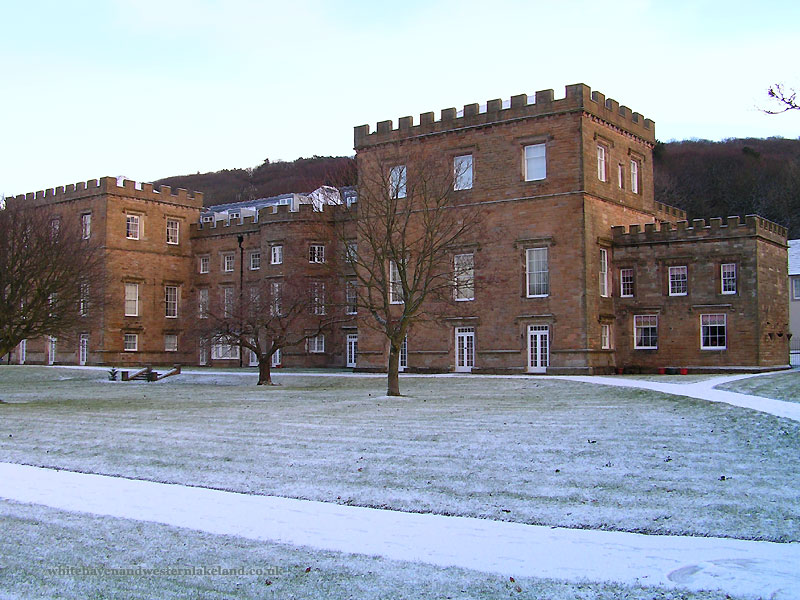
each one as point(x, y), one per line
point(50, 275)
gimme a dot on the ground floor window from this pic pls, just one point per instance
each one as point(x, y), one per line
point(352, 349)
point(645, 332)
point(465, 349)
point(276, 358)
point(316, 344)
point(23, 351)
point(51, 350)
point(713, 332)
point(224, 352)
point(538, 348)
point(605, 336)
point(131, 341)
point(171, 342)
point(403, 363)
point(83, 349)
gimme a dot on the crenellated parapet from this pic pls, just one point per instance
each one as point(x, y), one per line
point(578, 98)
point(110, 186)
point(235, 226)
point(666, 212)
point(716, 228)
point(271, 214)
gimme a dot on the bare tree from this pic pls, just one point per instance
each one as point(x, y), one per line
point(49, 274)
point(270, 315)
point(399, 238)
point(786, 99)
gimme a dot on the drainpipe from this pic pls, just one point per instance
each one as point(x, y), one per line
point(241, 292)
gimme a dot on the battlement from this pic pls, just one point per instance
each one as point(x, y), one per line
point(670, 212)
point(751, 225)
point(109, 185)
point(579, 97)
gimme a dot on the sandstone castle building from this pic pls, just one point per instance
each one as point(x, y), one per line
point(588, 273)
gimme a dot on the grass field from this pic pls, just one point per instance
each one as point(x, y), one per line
point(780, 386)
point(525, 450)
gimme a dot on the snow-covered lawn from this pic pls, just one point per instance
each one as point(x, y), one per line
point(525, 450)
point(780, 386)
point(29, 554)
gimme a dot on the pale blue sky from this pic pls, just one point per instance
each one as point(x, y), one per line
point(152, 88)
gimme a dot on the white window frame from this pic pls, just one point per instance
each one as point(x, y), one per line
point(635, 176)
point(395, 284)
point(86, 225)
point(23, 351)
point(351, 252)
point(537, 289)
point(708, 321)
point(727, 273)
point(626, 283)
point(398, 182)
point(228, 301)
point(605, 336)
point(173, 231)
point(796, 288)
point(351, 297)
point(464, 277)
point(318, 298)
point(131, 299)
point(228, 262)
point(276, 254)
point(642, 322)
point(83, 348)
point(202, 303)
point(275, 305)
point(221, 351)
point(205, 264)
point(621, 176)
point(170, 342)
point(603, 275)
point(602, 163)
point(316, 344)
point(316, 253)
point(534, 158)
point(255, 260)
point(83, 303)
point(130, 342)
point(462, 172)
point(679, 280)
point(171, 297)
point(133, 227)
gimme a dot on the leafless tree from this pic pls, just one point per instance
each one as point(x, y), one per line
point(399, 238)
point(49, 274)
point(784, 98)
point(268, 316)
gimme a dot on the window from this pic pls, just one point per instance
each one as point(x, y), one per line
point(464, 277)
point(395, 284)
point(318, 297)
point(228, 262)
point(86, 226)
point(462, 172)
point(255, 260)
point(645, 332)
point(55, 226)
point(277, 255)
point(605, 336)
point(397, 182)
point(713, 332)
point(171, 301)
point(796, 288)
point(173, 228)
point(535, 162)
point(603, 273)
point(626, 283)
point(351, 252)
point(621, 176)
point(635, 176)
point(51, 302)
point(132, 227)
point(83, 303)
point(316, 253)
point(351, 297)
point(275, 304)
point(207, 219)
point(536, 272)
point(678, 281)
point(234, 214)
point(728, 275)
point(602, 170)
point(202, 303)
point(205, 261)
point(221, 351)
point(131, 299)
point(170, 343)
point(316, 344)
point(131, 342)
point(227, 302)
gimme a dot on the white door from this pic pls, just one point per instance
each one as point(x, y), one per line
point(83, 349)
point(352, 349)
point(203, 358)
point(403, 364)
point(276, 358)
point(465, 349)
point(538, 348)
point(51, 351)
point(23, 351)
point(253, 362)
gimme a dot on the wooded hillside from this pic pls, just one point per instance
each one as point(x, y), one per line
point(707, 179)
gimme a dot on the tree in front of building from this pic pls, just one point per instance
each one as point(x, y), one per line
point(49, 274)
point(267, 317)
point(400, 239)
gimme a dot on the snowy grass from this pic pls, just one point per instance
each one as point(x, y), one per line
point(781, 386)
point(29, 554)
point(532, 451)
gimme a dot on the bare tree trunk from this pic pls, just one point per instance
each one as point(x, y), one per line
point(393, 379)
point(264, 370)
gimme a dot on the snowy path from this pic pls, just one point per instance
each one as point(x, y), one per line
point(512, 549)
